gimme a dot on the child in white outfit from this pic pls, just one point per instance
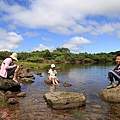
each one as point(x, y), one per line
point(52, 74)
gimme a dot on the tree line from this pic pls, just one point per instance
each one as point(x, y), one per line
point(62, 55)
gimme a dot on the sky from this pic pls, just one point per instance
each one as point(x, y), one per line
point(91, 26)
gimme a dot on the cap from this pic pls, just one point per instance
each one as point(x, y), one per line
point(52, 65)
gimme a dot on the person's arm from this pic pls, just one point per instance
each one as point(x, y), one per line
point(56, 74)
point(119, 68)
point(49, 76)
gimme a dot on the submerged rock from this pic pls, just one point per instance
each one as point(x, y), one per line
point(66, 84)
point(39, 73)
point(21, 94)
point(65, 100)
point(111, 95)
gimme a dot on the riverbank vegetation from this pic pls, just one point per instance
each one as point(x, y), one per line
point(60, 55)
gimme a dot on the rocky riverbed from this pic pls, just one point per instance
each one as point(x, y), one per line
point(33, 106)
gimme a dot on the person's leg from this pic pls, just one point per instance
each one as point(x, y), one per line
point(53, 81)
point(115, 75)
point(11, 71)
point(56, 81)
point(15, 77)
point(111, 78)
point(117, 78)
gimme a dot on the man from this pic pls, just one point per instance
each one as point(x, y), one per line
point(114, 74)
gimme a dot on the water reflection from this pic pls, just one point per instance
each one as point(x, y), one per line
point(52, 88)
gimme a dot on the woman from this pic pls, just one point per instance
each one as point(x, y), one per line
point(8, 68)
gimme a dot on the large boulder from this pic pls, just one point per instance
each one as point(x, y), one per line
point(65, 100)
point(111, 95)
point(24, 77)
point(6, 84)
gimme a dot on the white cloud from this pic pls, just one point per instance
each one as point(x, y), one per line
point(42, 47)
point(46, 39)
point(66, 17)
point(118, 34)
point(75, 43)
point(31, 34)
point(9, 40)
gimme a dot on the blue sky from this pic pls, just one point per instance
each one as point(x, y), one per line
point(91, 26)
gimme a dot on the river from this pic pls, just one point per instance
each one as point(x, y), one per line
point(88, 79)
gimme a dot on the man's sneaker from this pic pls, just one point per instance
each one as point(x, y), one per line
point(111, 86)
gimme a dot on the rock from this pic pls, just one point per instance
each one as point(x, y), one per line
point(2, 95)
point(39, 73)
point(111, 95)
point(26, 80)
point(21, 94)
point(9, 94)
point(12, 101)
point(24, 73)
point(26, 76)
point(6, 84)
point(65, 100)
point(66, 84)
point(47, 81)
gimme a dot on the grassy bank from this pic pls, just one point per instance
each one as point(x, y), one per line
point(32, 64)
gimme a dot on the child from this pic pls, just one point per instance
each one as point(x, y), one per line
point(114, 73)
point(52, 74)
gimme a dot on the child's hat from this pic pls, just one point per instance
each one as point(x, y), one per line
point(52, 65)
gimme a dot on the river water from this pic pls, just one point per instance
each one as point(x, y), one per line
point(88, 79)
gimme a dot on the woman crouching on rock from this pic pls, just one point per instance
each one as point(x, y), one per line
point(8, 68)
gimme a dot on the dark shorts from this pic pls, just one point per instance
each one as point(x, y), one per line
point(11, 71)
